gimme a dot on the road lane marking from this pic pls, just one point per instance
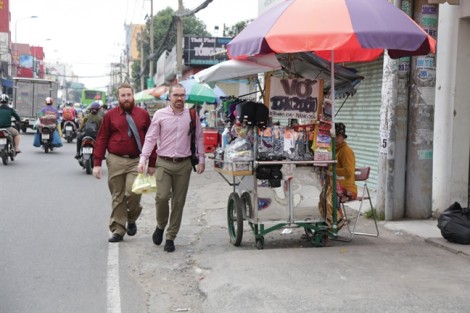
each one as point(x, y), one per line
point(113, 289)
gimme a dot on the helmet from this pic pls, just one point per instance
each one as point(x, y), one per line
point(68, 103)
point(95, 106)
point(4, 98)
point(76, 105)
point(49, 101)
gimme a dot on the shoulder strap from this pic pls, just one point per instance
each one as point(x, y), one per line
point(192, 130)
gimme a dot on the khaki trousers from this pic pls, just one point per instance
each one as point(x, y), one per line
point(125, 204)
point(172, 182)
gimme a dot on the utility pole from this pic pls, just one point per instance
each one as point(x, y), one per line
point(141, 38)
point(179, 42)
point(151, 40)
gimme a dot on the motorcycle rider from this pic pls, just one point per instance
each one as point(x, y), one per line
point(92, 117)
point(6, 113)
point(69, 114)
point(49, 110)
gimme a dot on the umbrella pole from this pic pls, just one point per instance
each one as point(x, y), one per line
point(333, 141)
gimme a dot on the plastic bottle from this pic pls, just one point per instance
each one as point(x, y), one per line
point(225, 137)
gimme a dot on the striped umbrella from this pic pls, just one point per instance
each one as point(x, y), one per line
point(356, 30)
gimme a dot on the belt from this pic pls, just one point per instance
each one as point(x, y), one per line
point(128, 156)
point(174, 160)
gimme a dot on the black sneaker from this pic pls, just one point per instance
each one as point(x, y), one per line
point(169, 246)
point(77, 156)
point(116, 238)
point(157, 236)
point(131, 229)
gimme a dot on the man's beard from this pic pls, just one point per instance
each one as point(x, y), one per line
point(127, 105)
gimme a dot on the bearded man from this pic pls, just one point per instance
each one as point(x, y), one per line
point(122, 134)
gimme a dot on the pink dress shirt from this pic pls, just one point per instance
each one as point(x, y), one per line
point(170, 132)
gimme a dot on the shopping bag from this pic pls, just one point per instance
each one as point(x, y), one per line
point(56, 141)
point(142, 184)
point(153, 183)
point(37, 140)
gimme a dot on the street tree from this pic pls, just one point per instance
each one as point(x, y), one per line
point(164, 31)
point(232, 31)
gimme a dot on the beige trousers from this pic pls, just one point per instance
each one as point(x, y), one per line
point(125, 204)
point(172, 182)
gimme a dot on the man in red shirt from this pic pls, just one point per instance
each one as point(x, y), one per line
point(117, 136)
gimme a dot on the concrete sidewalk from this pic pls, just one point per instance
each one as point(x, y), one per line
point(426, 229)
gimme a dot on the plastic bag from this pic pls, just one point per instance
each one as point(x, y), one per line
point(144, 184)
point(37, 140)
point(454, 224)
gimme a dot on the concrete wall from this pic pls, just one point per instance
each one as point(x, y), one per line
point(461, 138)
point(452, 129)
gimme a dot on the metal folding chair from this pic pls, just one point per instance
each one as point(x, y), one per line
point(361, 175)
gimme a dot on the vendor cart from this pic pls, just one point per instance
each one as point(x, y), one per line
point(267, 209)
point(286, 200)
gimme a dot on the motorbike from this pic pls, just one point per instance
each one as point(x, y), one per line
point(86, 154)
point(7, 149)
point(69, 132)
point(46, 132)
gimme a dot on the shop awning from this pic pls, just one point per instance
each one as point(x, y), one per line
point(304, 64)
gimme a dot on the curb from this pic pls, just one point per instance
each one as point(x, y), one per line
point(454, 248)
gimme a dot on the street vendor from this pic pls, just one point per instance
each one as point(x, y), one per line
point(345, 166)
point(346, 188)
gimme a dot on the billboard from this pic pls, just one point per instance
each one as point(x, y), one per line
point(204, 50)
point(26, 66)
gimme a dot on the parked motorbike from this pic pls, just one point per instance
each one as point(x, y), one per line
point(7, 149)
point(47, 132)
point(86, 154)
point(69, 132)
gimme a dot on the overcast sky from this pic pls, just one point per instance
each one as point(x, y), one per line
point(89, 33)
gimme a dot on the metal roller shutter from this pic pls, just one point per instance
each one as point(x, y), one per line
point(361, 115)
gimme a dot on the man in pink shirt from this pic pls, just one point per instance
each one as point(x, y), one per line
point(170, 131)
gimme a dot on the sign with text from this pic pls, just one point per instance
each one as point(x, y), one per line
point(205, 50)
point(296, 98)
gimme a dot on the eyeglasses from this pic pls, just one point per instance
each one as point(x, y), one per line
point(182, 95)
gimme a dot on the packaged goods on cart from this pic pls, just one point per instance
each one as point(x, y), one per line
point(322, 143)
point(281, 142)
point(238, 156)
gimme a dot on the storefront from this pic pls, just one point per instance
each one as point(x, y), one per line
point(361, 115)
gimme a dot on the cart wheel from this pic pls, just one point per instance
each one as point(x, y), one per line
point(310, 233)
point(260, 243)
point(246, 199)
point(320, 239)
point(235, 219)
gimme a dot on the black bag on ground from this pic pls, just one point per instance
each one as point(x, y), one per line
point(454, 224)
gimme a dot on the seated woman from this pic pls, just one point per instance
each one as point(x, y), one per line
point(346, 188)
point(345, 166)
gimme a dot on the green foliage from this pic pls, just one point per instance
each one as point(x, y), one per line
point(161, 22)
point(232, 31)
point(379, 215)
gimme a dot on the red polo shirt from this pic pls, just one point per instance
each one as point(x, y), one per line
point(113, 135)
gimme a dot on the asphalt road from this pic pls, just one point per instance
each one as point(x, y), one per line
point(53, 228)
point(54, 256)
